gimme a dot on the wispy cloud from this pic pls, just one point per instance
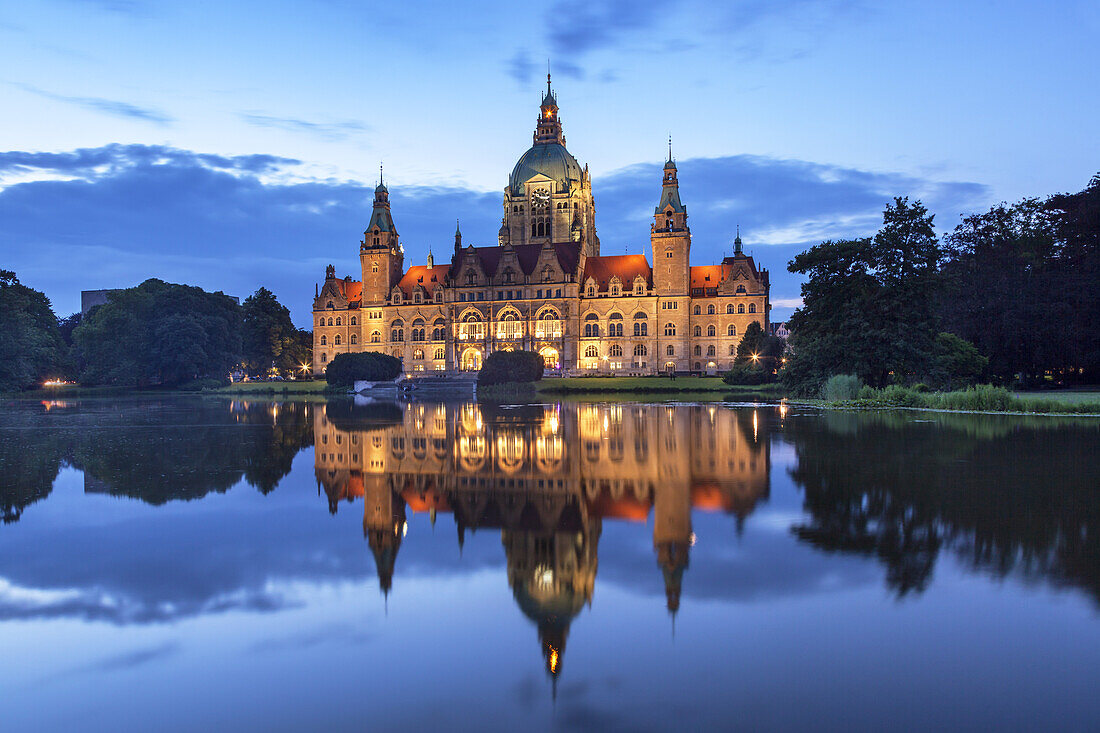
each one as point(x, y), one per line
point(324, 130)
point(107, 106)
point(521, 68)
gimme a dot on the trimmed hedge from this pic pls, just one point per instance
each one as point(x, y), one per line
point(511, 366)
point(347, 369)
point(746, 374)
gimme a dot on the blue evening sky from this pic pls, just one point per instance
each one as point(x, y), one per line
point(233, 144)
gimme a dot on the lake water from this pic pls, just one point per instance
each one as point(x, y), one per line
point(194, 563)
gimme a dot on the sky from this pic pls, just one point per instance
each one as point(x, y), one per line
point(235, 145)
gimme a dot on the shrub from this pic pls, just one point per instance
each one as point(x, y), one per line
point(511, 366)
point(984, 397)
point(747, 374)
point(897, 396)
point(840, 387)
point(346, 369)
point(867, 392)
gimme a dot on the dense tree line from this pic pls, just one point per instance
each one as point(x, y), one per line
point(31, 347)
point(1008, 295)
point(157, 333)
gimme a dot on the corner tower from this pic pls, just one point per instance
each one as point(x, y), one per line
point(670, 236)
point(380, 253)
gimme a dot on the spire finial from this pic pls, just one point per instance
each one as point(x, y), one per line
point(670, 148)
point(380, 180)
point(547, 74)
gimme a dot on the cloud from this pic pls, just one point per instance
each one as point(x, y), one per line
point(576, 27)
point(128, 212)
point(107, 106)
point(127, 660)
point(323, 130)
point(521, 68)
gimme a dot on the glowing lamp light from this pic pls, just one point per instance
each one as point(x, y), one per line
point(756, 357)
point(553, 662)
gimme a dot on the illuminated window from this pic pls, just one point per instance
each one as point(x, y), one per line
point(375, 337)
point(591, 352)
point(324, 341)
point(710, 331)
point(670, 330)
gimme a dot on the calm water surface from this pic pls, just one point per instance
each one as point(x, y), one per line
point(184, 563)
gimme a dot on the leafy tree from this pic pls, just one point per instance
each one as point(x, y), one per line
point(955, 363)
point(30, 343)
point(511, 366)
point(269, 338)
point(750, 343)
point(868, 305)
point(346, 369)
point(159, 333)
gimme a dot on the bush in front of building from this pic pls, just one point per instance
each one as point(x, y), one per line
point(346, 369)
point(747, 374)
point(511, 366)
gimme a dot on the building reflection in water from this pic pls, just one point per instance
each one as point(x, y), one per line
point(546, 476)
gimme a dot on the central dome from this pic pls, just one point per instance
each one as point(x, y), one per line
point(549, 159)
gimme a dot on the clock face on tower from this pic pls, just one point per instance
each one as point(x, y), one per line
point(540, 198)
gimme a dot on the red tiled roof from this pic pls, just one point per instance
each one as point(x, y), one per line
point(626, 267)
point(708, 276)
point(423, 275)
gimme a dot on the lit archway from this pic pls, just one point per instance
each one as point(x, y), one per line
point(712, 369)
point(471, 360)
point(550, 357)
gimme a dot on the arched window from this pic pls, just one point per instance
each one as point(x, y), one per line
point(548, 325)
point(330, 321)
point(670, 350)
point(710, 310)
point(615, 325)
point(591, 293)
point(547, 274)
point(697, 311)
point(418, 354)
point(710, 331)
point(670, 329)
point(710, 351)
point(733, 350)
point(508, 275)
point(374, 267)
point(741, 308)
point(698, 331)
point(375, 337)
point(591, 326)
point(337, 320)
point(752, 307)
point(591, 352)
point(616, 350)
point(698, 350)
point(509, 326)
point(740, 289)
point(354, 321)
point(330, 306)
point(639, 287)
point(640, 350)
point(416, 296)
point(471, 277)
point(668, 254)
point(336, 340)
point(439, 352)
point(471, 327)
point(324, 341)
point(354, 339)
point(732, 330)
point(324, 358)
point(729, 308)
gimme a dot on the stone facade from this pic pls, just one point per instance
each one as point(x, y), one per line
point(544, 285)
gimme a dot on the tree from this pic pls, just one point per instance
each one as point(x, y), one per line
point(159, 333)
point(367, 366)
point(269, 337)
point(30, 343)
point(955, 363)
point(750, 343)
point(867, 304)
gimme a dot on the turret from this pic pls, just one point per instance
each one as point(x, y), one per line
point(670, 236)
point(380, 253)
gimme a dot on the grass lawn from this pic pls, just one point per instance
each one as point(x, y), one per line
point(645, 385)
point(315, 387)
point(1071, 396)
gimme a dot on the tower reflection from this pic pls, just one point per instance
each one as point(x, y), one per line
point(546, 476)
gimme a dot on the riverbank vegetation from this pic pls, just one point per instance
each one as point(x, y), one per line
point(1009, 297)
point(848, 391)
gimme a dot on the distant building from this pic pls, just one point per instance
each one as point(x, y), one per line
point(780, 330)
point(91, 298)
point(544, 286)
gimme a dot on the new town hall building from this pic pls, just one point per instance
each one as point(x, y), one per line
point(545, 286)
